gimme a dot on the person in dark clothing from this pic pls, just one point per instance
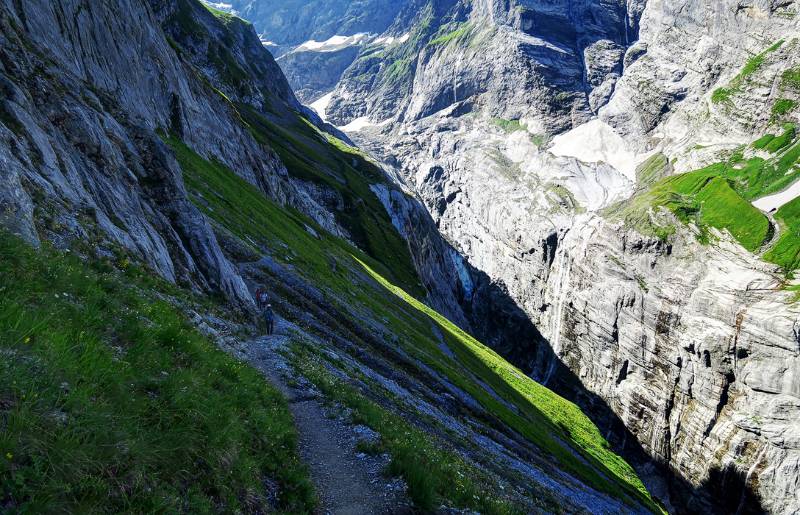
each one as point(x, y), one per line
point(269, 318)
point(262, 299)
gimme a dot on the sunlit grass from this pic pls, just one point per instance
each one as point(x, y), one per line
point(548, 414)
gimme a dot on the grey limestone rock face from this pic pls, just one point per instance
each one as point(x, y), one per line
point(85, 111)
point(329, 68)
point(89, 92)
point(291, 22)
point(687, 351)
point(79, 140)
point(553, 63)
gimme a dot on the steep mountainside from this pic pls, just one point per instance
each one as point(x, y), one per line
point(157, 169)
point(546, 142)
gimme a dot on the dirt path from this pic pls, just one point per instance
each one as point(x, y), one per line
point(347, 482)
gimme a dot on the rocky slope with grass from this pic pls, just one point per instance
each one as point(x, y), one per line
point(157, 169)
point(544, 139)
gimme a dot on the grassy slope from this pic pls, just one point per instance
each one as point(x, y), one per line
point(314, 156)
point(786, 252)
point(544, 413)
point(720, 196)
point(544, 418)
point(110, 402)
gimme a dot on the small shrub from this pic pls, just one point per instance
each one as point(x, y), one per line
point(721, 95)
point(783, 106)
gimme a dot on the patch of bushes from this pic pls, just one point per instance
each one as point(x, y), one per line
point(782, 107)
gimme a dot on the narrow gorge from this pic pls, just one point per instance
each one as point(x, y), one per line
point(521, 256)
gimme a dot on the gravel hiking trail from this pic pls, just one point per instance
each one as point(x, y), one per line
point(347, 481)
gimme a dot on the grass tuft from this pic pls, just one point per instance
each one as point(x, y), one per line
point(782, 107)
point(723, 95)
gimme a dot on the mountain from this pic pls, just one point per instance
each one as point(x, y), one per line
point(621, 170)
point(157, 171)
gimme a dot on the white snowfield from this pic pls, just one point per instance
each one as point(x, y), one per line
point(362, 123)
point(776, 200)
point(332, 44)
point(222, 6)
point(595, 142)
point(339, 42)
point(320, 105)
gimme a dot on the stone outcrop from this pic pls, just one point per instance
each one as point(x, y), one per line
point(85, 109)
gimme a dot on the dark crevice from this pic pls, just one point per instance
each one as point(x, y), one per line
point(623, 373)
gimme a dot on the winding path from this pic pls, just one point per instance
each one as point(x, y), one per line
point(347, 482)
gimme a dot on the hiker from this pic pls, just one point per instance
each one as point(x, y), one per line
point(269, 318)
point(262, 299)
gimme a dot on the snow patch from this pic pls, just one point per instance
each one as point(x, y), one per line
point(362, 123)
point(332, 44)
point(595, 142)
point(320, 105)
point(593, 185)
point(776, 200)
point(222, 6)
point(390, 40)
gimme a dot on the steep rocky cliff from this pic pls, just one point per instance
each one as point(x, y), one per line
point(159, 137)
point(539, 138)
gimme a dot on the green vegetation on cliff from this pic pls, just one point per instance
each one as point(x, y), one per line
point(314, 156)
point(786, 252)
point(735, 85)
point(446, 36)
point(791, 78)
point(721, 196)
point(783, 106)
